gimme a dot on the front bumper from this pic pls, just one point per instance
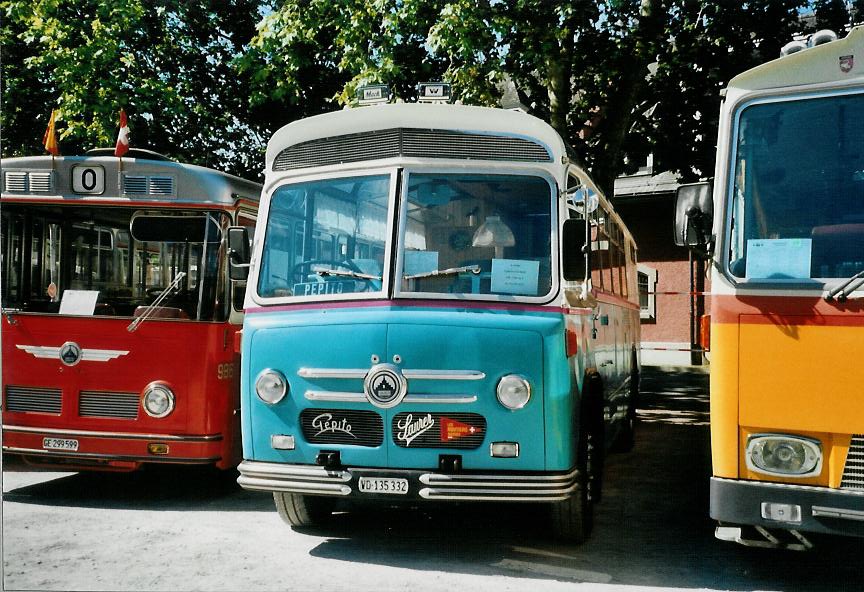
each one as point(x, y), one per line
point(422, 485)
point(110, 451)
point(823, 510)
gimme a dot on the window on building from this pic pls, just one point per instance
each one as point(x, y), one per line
point(647, 279)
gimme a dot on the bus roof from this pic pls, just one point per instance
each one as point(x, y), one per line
point(424, 118)
point(139, 180)
point(835, 62)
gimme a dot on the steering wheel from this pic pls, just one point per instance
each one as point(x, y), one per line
point(298, 276)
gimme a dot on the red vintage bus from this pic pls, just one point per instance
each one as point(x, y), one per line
point(118, 319)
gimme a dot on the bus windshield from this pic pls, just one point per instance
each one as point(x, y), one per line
point(798, 191)
point(122, 257)
point(477, 234)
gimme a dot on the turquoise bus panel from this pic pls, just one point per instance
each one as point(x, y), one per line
point(496, 343)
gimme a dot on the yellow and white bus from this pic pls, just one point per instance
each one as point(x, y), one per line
point(787, 302)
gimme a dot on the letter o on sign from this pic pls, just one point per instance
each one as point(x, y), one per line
point(88, 179)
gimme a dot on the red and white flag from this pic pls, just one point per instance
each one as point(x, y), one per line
point(122, 136)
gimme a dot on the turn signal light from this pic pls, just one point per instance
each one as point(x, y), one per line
point(572, 342)
point(157, 448)
point(705, 332)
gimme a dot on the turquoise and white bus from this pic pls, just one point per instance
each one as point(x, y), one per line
point(440, 306)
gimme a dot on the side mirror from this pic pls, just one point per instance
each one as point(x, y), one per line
point(576, 250)
point(694, 214)
point(238, 252)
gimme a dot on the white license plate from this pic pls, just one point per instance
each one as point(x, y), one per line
point(383, 485)
point(59, 444)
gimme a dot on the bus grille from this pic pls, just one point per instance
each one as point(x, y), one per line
point(32, 399)
point(418, 143)
point(342, 426)
point(439, 430)
point(112, 405)
point(853, 474)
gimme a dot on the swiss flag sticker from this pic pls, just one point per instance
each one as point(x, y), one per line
point(453, 430)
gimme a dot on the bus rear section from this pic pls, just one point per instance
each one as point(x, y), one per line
point(118, 322)
point(787, 419)
point(411, 335)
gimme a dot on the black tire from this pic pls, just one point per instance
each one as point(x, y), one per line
point(573, 518)
point(303, 510)
point(626, 439)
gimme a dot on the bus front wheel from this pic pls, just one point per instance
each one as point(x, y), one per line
point(573, 518)
point(303, 510)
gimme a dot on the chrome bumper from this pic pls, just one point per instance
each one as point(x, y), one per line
point(310, 479)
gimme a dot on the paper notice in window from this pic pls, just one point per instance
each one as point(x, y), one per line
point(79, 302)
point(515, 276)
point(779, 258)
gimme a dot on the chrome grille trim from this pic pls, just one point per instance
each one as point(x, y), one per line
point(161, 186)
point(343, 397)
point(410, 142)
point(335, 396)
point(853, 472)
point(421, 374)
point(259, 476)
point(134, 184)
point(107, 404)
point(32, 399)
point(41, 182)
point(15, 181)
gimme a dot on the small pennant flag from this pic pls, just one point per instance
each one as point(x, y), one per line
point(50, 138)
point(122, 146)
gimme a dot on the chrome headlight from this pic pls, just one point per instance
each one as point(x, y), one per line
point(157, 400)
point(775, 454)
point(271, 386)
point(513, 391)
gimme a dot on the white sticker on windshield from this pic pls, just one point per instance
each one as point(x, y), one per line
point(79, 302)
point(779, 258)
point(515, 276)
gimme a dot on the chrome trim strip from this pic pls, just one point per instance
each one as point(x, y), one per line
point(87, 355)
point(343, 397)
point(118, 435)
point(336, 396)
point(95, 455)
point(444, 374)
point(332, 373)
point(409, 374)
point(260, 476)
point(508, 480)
point(508, 495)
point(842, 513)
point(442, 399)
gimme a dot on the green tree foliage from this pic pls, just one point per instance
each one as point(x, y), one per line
point(167, 62)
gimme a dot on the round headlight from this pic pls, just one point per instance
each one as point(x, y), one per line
point(513, 391)
point(158, 400)
point(271, 386)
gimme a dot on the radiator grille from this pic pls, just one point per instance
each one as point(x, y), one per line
point(853, 474)
point(32, 399)
point(419, 143)
point(342, 426)
point(438, 430)
point(103, 404)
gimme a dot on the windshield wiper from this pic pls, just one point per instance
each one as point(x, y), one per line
point(155, 304)
point(475, 269)
point(351, 274)
point(843, 290)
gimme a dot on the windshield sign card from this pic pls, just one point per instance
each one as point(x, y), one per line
point(79, 302)
point(515, 276)
point(779, 258)
point(419, 262)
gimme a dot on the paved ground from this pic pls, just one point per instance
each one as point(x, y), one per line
point(197, 530)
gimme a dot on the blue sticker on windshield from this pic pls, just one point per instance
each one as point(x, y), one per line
point(779, 258)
